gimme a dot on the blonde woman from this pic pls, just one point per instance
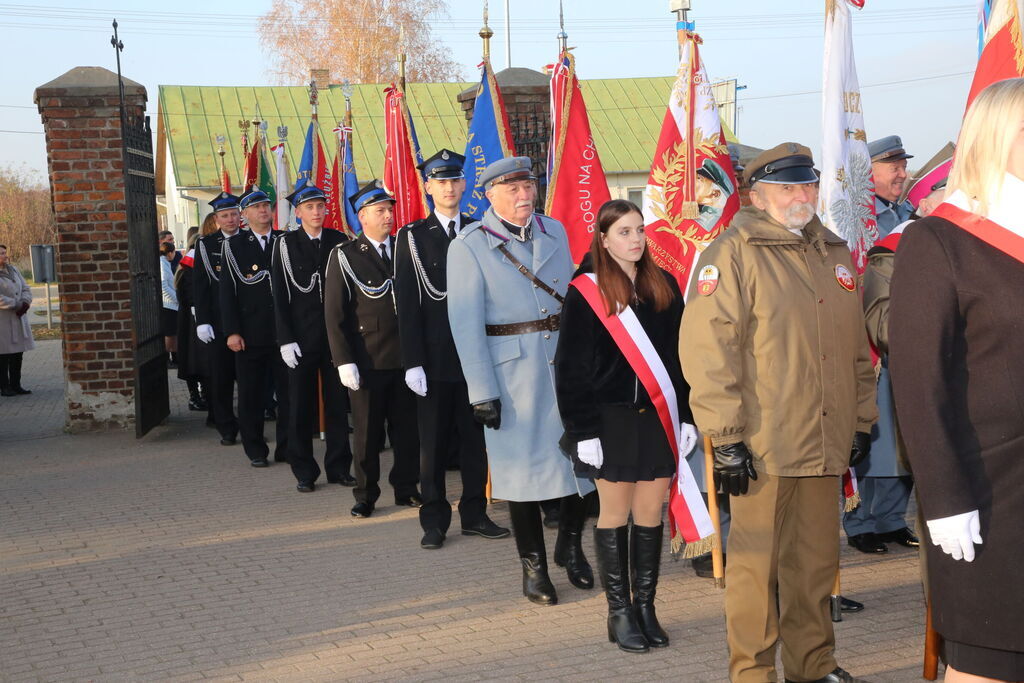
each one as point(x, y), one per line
point(956, 349)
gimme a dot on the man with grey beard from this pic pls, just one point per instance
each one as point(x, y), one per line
point(772, 344)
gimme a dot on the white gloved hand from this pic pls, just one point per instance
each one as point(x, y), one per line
point(291, 354)
point(205, 333)
point(687, 439)
point(590, 452)
point(349, 375)
point(957, 535)
point(416, 380)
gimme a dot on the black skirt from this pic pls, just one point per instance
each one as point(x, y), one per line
point(1002, 665)
point(635, 446)
point(169, 322)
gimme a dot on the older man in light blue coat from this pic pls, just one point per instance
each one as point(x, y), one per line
point(507, 275)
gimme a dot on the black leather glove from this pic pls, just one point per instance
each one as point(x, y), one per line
point(861, 448)
point(734, 468)
point(488, 413)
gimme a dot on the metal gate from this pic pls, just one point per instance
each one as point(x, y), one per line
point(530, 134)
point(151, 397)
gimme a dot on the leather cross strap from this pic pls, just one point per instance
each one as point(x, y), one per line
point(548, 324)
point(530, 276)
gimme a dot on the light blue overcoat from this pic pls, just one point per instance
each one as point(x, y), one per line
point(484, 288)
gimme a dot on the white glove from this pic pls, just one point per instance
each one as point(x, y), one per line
point(416, 380)
point(590, 452)
point(291, 354)
point(957, 535)
point(205, 333)
point(349, 375)
point(687, 439)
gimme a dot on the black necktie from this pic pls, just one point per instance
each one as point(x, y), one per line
point(384, 255)
point(451, 230)
point(263, 242)
point(316, 245)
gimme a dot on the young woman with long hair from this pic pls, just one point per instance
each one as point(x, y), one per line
point(609, 416)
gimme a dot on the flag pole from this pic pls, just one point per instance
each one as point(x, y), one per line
point(486, 34)
point(401, 59)
point(717, 561)
point(563, 37)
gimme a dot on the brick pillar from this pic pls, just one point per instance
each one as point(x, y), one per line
point(81, 119)
point(527, 101)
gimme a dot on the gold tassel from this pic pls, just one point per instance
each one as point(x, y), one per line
point(689, 210)
point(704, 545)
point(852, 502)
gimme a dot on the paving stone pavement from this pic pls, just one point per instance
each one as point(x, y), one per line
point(169, 558)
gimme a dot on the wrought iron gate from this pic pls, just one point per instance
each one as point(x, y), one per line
point(530, 133)
point(151, 398)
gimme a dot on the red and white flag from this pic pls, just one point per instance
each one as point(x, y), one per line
point(576, 183)
point(401, 177)
point(691, 192)
point(1002, 52)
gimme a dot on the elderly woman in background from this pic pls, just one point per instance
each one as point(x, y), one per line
point(15, 330)
point(956, 350)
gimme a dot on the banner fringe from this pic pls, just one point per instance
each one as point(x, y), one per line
point(689, 210)
point(695, 549)
point(852, 502)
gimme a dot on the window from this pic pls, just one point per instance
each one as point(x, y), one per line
point(636, 195)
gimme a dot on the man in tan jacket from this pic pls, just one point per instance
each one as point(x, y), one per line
point(773, 346)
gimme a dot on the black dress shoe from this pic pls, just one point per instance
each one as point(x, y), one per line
point(432, 539)
point(305, 487)
point(362, 510)
point(21, 391)
point(413, 500)
point(848, 605)
point(867, 543)
point(704, 567)
point(486, 528)
point(905, 537)
point(837, 675)
point(228, 441)
point(344, 480)
point(259, 462)
point(7, 392)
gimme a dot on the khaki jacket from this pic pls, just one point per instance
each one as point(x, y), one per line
point(776, 354)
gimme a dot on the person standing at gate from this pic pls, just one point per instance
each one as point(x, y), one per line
point(207, 278)
point(247, 310)
point(362, 326)
point(432, 365)
point(297, 272)
point(15, 330)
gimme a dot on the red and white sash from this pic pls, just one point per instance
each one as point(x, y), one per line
point(989, 232)
point(688, 517)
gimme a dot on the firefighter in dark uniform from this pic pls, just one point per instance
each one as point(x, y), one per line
point(208, 272)
point(247, 315)
point(299, 260)
point(433, 371)
point(362, 326)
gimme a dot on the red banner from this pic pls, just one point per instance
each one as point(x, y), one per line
point(401, 178)
point(577, 186)
point(1003, 54)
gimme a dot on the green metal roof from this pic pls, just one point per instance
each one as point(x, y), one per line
point(625, 115)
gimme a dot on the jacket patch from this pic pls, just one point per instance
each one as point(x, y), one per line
point(707, 280)
point(845, 278)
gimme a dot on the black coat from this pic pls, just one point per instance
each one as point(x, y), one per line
point(193, 362)
point(246, 297)
point(956, 356)
point(591, 371)
point(207, 273)
point(361, 329)
point(299, 316)
point(425, 333)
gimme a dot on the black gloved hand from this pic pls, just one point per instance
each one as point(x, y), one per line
point(861, 448)
point(734, 468)
point(488, 413)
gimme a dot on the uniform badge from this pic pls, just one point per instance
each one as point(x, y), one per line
point(845, 278)
point(217, 268)
point(707, 280)
point(364, 248)
point(255, 267)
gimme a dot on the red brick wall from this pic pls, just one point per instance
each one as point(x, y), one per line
point(84, 157)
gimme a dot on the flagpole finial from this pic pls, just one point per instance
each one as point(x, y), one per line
point(401, 58)
point(347, 90)
point(563, 37)
point(282, 133)
point(486, 34)
point(314, 96)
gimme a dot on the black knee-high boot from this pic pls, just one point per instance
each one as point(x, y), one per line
point(529, 533)
point(645, 560)
point(14, 374)
point(612, 548)
point(569, 544)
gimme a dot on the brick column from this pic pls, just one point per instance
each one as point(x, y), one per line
point(81, 119)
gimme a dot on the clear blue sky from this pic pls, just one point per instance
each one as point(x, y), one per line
point(914, 57)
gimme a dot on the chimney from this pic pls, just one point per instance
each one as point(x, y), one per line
point(321, 76)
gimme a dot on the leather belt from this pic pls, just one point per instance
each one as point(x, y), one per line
point(548, 324)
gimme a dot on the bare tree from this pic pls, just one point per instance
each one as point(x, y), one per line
point(26, 214)
point(358, 40)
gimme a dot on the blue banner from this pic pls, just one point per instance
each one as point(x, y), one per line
point(350, 186)
point(305, 170)
point(484, 144)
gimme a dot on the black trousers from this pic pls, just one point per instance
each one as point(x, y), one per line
point(304, 415)
point(255, 368)
point(10, 370)
point(222, 388)
point(445, 416)
point(384, 399)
